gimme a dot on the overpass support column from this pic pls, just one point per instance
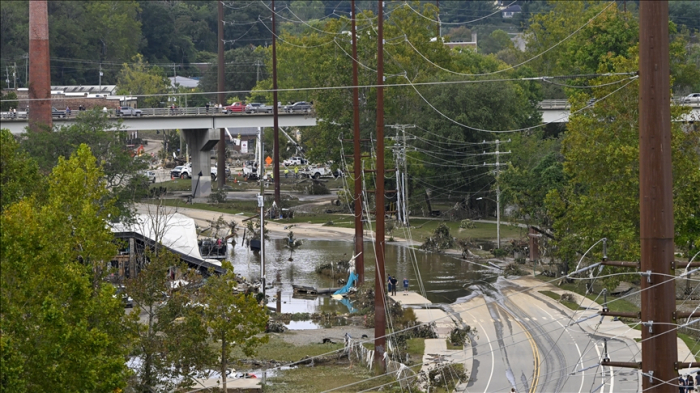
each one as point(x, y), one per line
point(201, 142)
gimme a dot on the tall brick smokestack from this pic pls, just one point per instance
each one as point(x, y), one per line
point(39, 67)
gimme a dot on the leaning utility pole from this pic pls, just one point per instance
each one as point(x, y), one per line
point(357, 164)
point(275, 115)
point(40, 87)
point(379, 276)
point(659, 347)
point(221, 149)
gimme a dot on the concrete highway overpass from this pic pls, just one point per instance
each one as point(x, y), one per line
point(159, 119)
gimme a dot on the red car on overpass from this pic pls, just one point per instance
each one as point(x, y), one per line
point(235, 107)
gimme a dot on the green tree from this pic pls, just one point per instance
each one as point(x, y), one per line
point(535, 169)
point(63, 330)
point(9, 101)
point(172, 343)
point(244, 68)
point(141, 79)
point(107, 141)
point(495, 42)
point(601, 151)
point(234, 320)
point(19, 173)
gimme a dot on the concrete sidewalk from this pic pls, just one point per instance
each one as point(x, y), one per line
point(436, 353)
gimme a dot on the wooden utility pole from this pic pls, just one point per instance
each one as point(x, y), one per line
point(221, 97)
point(275, 114)
point(357, 164)
point(380, 274)
point(659, 347)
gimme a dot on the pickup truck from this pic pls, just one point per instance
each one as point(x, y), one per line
point(186, 172)
point(128, 111)
point(293, 161)
point(255, 107)
point(316, 171)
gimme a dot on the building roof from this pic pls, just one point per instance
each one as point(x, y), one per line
point(513, 8)
point(177, 233)
point(184, 81)
point(91, 89)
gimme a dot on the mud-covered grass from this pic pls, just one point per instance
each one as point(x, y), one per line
point(572, 305)
point(416, 347)
point(321, 378)
point(422, 228)
point(614, 304)
point(282, 351)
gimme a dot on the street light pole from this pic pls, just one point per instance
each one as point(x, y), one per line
point(498, 214)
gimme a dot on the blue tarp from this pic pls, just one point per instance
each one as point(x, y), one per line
point(348, 304)
point(351, 281)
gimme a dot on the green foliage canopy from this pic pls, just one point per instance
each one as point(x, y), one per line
point(63, 330)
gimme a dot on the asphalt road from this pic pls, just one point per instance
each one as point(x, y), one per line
point(526, 341)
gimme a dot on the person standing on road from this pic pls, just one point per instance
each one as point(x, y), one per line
point(286, 173)
point(394, 281)
point(207, 105)
point(296, 172)
point(388, 281)
point(681, 384)
point(690, 383)
point(405, 286)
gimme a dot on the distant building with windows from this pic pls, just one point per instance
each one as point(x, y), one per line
point(87, 96)
point(511, 11)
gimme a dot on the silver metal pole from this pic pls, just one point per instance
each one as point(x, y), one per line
point(261, 204)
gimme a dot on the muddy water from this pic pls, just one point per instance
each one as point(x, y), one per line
point(443, 276)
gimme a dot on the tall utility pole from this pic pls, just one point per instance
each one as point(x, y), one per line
point(659, 348)
point(402, 173)
point(380, 274)
point(497, 172)
point(221, 148)
point(357, 164)
point(14, 76)
point(40, 86)
point(100, 78)
point(275, 115)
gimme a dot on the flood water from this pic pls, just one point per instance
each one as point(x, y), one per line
point(443, 275)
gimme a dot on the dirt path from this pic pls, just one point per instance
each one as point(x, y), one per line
point(301, 230)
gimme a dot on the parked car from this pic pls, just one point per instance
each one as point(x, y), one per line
point(57, 113)
point(128, 111)
point(256, 107)
point(294, 161)
point(150, 175)
point(235, 107)
point(301, 106)
point(694, 97)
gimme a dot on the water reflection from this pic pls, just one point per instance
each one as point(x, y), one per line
point(443, 276)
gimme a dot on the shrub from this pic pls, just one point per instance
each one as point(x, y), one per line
point(441, 239)
point(499, 252)
point(467, 224)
